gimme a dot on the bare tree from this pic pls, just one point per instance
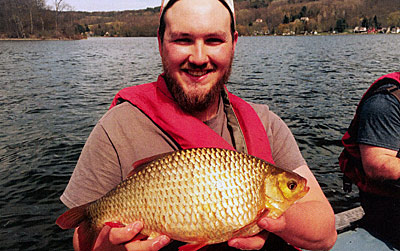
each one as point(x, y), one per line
point(59, 6)
point(17, 18)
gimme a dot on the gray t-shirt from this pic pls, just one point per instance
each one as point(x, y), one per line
point(125, 135)
point(380, 122)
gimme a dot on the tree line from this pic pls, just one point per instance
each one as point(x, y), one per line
point(260, 17)
point(32, 18)
point(306, 16)
point(35, 19)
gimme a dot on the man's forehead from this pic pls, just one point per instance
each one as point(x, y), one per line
point(179, 19)
point(174, 34)
point(229, 4)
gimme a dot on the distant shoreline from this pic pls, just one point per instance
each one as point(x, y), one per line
point(41, 39)
point(30, 39)
point(269, 35)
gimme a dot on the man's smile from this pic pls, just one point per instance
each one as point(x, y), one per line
point(197, 73)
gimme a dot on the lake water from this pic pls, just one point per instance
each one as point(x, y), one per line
point(53, 93)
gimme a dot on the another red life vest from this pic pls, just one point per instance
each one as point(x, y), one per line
point(350, 159)
point(155, 100)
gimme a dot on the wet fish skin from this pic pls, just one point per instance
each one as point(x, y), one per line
point(200, 196)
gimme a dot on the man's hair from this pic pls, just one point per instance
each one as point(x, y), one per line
point(161, 28)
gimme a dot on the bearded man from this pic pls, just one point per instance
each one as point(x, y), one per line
point(188, 107)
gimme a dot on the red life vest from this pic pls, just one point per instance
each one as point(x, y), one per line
point(350, 159)
point(155, 100)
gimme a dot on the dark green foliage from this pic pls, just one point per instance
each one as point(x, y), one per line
point(340, 25)
point(285, 20)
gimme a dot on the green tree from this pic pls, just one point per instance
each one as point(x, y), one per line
point(340, 25)
point(80, 29)
point(375, 22)
point(285, 20)
point(365, 22)
point(303, 12)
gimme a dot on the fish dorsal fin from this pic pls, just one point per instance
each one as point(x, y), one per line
point(140, 164)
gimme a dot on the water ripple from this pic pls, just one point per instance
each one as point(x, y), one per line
point(53, 93)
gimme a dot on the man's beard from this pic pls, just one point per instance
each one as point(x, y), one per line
point(195, 103)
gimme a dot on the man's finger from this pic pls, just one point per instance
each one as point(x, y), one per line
point(272, 225)
point(249, 243)
point(151, 245)
point(122, 235)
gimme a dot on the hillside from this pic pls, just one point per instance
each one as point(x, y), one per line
point(22, 18)
point(264, 17)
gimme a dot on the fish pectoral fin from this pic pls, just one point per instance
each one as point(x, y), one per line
point(153, 235)
point(192, 246)
point(248, 230)
point(115, 224)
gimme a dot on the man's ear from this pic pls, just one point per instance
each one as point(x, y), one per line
point(159, 41)
point(235, 39)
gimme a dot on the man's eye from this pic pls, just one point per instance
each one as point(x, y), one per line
point(182, 40)
point(214, 41)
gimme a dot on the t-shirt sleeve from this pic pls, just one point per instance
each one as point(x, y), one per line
point(285, 150)
point(122, 136)
point(97, 171)
point(380, 122)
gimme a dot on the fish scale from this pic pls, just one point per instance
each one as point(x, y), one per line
point(200, 196)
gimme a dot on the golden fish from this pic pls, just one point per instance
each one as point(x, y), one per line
point(200, 196)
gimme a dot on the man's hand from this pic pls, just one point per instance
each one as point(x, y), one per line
point(126, 238)
point(308, 224)
point(255, 242)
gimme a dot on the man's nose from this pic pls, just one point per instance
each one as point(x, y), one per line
point(199, 55)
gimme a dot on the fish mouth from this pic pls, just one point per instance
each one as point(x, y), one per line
point(303, 192)
point(306, 189)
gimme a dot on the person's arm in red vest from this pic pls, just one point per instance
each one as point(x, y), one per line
point(380, 163)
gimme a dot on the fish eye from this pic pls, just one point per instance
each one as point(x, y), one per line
point(292, 185)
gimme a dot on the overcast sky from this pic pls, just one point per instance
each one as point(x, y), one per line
point(108, 5)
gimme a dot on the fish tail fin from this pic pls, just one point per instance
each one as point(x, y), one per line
point(77, 217)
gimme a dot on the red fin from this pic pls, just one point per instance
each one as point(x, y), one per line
point(87, 236)
point(192, 247)
point(73, 217)
point(115, 224)
point(140, 164)
point(77, 217)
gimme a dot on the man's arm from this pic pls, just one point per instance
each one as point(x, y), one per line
point(308, 224)
point(380, 163)
point(379, 137)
